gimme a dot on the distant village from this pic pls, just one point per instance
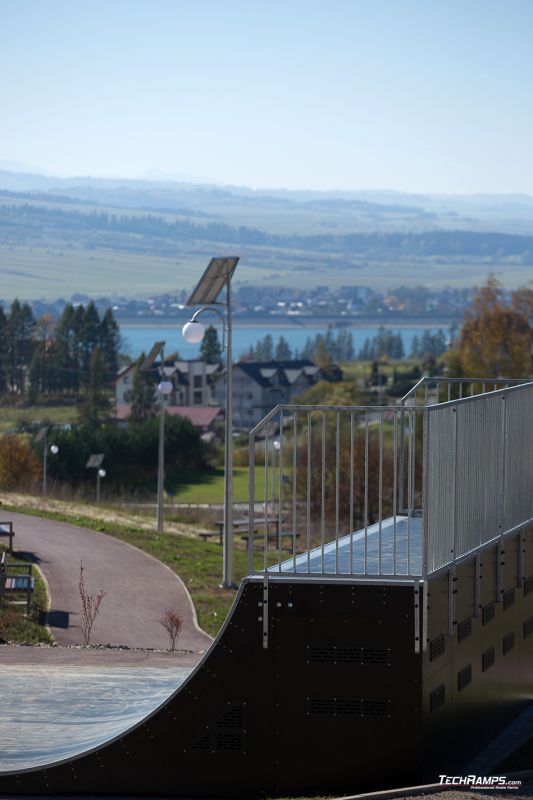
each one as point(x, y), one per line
point(254, 304)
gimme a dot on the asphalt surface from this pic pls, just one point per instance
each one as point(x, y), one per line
point(139, 588)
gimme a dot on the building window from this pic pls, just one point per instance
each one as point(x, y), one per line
point(197, 381)
point(197, 399)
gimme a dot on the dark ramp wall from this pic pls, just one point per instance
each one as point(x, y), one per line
point(332, 705)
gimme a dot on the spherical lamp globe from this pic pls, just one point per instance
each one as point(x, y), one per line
point(54, 449)
point(193, 332)
point(102, 473)
point(165, 387)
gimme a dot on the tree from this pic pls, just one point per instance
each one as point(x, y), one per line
point(109, 338)
point(283, 351)
point(3, 350)
point(89, 338)
point(495, 339)
point(142, 392)
point(97, 402)
point(322, 356)
point(19, 330)
point(210, 349)
point(34, 375)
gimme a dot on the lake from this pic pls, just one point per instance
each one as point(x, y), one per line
point(139, 338)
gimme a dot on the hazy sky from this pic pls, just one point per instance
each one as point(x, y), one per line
point(416, 95)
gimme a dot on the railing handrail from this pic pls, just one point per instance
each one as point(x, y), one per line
point(467, 379)
point(282, 407)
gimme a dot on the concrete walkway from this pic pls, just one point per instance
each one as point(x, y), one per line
point(139, 588)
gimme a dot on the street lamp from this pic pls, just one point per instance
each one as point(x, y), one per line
point(164, 388)
point(100, 473)
point(218, 275)
point(54, 450)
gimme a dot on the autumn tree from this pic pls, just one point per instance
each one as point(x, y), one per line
point(495, 339)
point(19, 466)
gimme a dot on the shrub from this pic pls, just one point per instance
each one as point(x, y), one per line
point(172, 623)
point(19, 466)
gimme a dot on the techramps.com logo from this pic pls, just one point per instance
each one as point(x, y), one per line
point(480, 781)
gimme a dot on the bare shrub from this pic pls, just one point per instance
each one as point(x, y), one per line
point(90, 605)
point(8, 620)
point(172, 623)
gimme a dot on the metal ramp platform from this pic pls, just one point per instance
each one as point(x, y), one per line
point(387, 548)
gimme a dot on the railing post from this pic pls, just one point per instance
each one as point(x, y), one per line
point(425, 498)
point(251, 502)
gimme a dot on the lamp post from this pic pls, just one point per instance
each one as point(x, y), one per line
point(100, 473)
point(54, 450)
point(218, 275)
point(164, 388)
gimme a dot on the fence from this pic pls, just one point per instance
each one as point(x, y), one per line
point(390, 491)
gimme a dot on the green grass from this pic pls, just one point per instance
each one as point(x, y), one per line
point(207, 486)
point(11, 417)
point(198, 563)
point(15, 626)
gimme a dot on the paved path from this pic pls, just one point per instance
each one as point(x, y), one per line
point(139, 588)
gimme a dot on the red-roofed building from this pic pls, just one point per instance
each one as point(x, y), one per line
point(207, 418)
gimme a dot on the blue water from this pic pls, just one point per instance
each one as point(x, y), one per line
point(139, 338)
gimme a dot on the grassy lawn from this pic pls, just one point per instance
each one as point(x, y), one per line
point(198, 563)
point(13, 416)
point(15, 626)
point(207, 486)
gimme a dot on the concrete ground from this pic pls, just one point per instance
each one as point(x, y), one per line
point(139, 588)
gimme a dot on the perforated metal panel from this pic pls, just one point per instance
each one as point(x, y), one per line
point(464, 677)
point(488, 659)
point(464, 629)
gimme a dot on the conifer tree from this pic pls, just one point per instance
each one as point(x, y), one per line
point(142, 392)
point(210, 349)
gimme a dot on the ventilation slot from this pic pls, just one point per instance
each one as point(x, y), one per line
point(437, 647)
point(507, 643)
point(488, 613)
point(464, 629)
point(228, 733)
point(528, 627)
point(464, 677)
point(528, 585)
point(437, 697)
point(348, 707)
point(508, 599)
point(349, 655)
point(487, 659)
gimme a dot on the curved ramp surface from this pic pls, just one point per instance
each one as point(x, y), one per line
point(139, 588)
point(59, 712)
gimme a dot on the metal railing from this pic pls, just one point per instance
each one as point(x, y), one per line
point(319, 474)
point(395, 492)
point(431, 391)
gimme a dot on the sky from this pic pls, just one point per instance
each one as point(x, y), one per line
point(407, 95)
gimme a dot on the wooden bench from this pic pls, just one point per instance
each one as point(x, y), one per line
point(275, 538)
point(16, 582)
point(239, 525)
point(6, 529)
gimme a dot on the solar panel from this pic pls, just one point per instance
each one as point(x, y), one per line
point(218, 273)
point(41, 434)
point(95, 460)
